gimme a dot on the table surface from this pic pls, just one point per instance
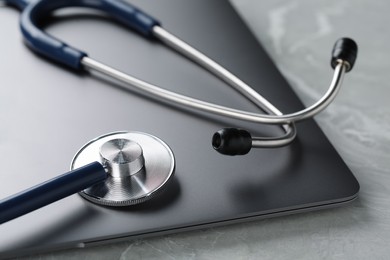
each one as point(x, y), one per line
point(298, 35)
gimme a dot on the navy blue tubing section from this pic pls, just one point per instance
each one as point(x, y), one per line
point(35, 10)
point(51, 191)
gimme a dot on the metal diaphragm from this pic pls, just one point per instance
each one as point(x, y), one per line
point(139, 166)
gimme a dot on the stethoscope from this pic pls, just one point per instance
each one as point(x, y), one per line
point(127, 168)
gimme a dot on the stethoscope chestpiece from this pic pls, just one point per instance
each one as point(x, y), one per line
point(139, 166)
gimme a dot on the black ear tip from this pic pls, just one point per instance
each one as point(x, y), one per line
point(344, 49)
point(217, 140)
point(232, 141)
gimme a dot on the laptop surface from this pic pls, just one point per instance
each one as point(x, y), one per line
point(48, 113)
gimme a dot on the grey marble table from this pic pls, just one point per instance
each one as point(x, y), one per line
point(298, 35)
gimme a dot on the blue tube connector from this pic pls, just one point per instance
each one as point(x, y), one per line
point(19, 4)
point(44, 44)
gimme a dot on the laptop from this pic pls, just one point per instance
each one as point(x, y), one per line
point(49, 112)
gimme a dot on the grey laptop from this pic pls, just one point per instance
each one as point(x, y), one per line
point(48, 113)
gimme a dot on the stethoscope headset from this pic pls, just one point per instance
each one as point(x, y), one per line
point(127, 168)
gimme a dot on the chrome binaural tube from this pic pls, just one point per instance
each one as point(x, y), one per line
point(273, 116)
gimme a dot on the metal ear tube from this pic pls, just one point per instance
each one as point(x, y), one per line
point(343, 58)
point(232, 141)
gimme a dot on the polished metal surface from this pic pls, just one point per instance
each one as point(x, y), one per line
point(141, 179)
point(175, 98)
point(277, 117)
point(121, 157)
point(179, 99)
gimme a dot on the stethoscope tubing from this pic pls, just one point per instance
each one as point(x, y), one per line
point(50, 191)
point(132, 83)
point(146, 25)
point(343, 58)
point(232, 80)
point(275, 116)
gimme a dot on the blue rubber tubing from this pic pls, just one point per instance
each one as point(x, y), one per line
point(57, 50)
point(51, 191)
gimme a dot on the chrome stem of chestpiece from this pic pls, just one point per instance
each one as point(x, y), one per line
point(138, 166)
